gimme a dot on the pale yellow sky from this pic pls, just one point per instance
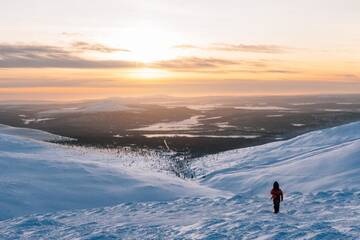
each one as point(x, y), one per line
point(78, 49)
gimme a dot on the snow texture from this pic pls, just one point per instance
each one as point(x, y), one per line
point(317, 161)
point(41, 177)
point(100, 198)
point(28, 133)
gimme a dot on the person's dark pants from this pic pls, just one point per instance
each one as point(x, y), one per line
point(276, 206)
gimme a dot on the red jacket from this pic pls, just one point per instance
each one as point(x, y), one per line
point(276, 194)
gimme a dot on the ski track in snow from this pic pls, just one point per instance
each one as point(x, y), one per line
point(44, 186)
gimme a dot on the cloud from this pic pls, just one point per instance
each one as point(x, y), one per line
point(62, 62)
point(211, 65)
point(85, 46)
point(349, 76)
point(48, 56)
point(262, 48)
point(187, 46)
point(50, 82)
point(281, 71)
point(247, 48)
point(9, 49)
point(71, 34)
point(193, 63)
point(44, 56)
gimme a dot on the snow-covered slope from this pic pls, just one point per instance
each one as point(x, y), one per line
point(29, 133)
point(319, 173)
point(317, 161)
point(36, 176)
point(331, 215)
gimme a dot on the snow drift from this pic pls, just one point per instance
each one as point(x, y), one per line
point(229, 198)
point(321, 160)
point(37, 176)
point(325, 215)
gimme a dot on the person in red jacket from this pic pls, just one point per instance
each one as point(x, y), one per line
point(276, 196)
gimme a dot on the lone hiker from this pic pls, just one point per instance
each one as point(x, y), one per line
point(276, 196)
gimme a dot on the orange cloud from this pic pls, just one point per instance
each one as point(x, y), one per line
point(192, 63)
point(97, 47)
point(44, 56)
point(262, 48)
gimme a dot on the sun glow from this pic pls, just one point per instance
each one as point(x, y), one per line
point(146, 43)
point(149, 73)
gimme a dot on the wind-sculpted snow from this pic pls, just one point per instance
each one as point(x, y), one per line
point(124, 195)
point(324, 215)
point(317, 161)
point(36, 177)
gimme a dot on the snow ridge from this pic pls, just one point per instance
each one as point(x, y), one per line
point(40, 177)
point(320, 160)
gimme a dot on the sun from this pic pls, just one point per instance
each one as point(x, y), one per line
point(146, 43)
point(150, 45)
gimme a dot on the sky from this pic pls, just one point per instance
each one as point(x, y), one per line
point(75, 49)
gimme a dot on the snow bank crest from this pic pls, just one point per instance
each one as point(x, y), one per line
point(316, 161)
point(32, 134)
